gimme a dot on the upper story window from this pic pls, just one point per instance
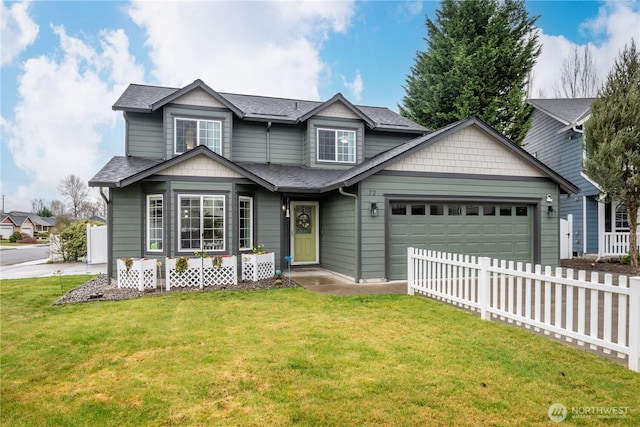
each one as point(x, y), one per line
point(336, 145)
point(189, 133)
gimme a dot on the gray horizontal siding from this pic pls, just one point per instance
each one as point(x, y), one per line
point(378, 142)
point(250, 143)
point(338, 245)
point(127, 224)
point(268, 223)
point(144, 135)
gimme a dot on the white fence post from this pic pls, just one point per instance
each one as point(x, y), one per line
point(634, 324)
point(484, 285)
point(410, 272)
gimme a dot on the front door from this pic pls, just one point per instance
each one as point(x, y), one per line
point(304, 232)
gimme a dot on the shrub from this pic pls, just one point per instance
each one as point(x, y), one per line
point(627, 259)
point(27, 239)
point(15, 237)
point(72, 242)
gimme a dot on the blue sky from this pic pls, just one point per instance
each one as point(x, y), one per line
point(64, 64)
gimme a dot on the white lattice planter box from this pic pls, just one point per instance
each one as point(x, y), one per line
point(258, 266)
point(141, 275)
point(201, 273)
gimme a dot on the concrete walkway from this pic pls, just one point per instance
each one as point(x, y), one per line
point(327, 282)
point(312, 279)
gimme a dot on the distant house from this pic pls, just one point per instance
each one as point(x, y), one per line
point(600, 226)
point(10, 224)
point(332, 184)
point(41, 224)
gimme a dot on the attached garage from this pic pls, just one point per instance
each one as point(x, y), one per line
point(504, 230)
point(6, 231)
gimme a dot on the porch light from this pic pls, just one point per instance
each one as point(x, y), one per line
point(374, 209)
point(551, 213)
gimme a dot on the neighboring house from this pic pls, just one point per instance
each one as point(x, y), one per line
point(11, 223)
point(556, 138)
point(41, 224)
point(335, 185)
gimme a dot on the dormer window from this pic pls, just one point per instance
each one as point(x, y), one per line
point(189, 133)
point(336, 145)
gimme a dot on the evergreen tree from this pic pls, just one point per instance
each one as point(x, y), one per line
point(612, 136)
point(478, 59)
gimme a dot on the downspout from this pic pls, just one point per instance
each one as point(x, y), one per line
point(268, 142)
point(357, 230)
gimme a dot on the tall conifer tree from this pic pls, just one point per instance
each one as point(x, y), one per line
point(478, 59)
point(612, 135)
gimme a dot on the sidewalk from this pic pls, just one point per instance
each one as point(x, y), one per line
point(40, 268)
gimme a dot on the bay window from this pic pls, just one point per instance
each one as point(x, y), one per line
point(336, 145)
point(201, 223)
point(189, 133)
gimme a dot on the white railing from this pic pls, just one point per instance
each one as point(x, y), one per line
point(601, 315)
point(201, 273)
point(616, 244)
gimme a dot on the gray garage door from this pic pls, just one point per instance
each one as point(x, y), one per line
point(503, 231)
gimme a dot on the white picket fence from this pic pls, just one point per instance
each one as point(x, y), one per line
point(616, 244)
point(602, 315)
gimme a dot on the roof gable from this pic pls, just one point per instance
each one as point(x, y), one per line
point(388, 159)
point(567, 111)
point(196, 91)
point(338, 106)
point(468, 151)
point(202, 166)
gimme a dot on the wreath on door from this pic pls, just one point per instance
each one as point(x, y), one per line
point(303, 222)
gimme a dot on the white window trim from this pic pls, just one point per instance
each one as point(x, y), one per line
point(198, 121)
point(224, 222)
point(355, 145)
point(148, 239)
point(250, 200)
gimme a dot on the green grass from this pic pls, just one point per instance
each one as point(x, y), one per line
point(285, 357)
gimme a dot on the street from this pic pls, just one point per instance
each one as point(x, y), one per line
point(19, 254)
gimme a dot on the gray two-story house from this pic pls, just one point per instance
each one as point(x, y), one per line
point(332, 184)
point(599, 225)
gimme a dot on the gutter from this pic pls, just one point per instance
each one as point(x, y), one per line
point(357, 231)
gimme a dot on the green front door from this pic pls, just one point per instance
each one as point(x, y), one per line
point(304, 232)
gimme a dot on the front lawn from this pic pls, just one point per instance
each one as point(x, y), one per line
point(286, 357)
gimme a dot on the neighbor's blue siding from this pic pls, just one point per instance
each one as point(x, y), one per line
point(561, 150)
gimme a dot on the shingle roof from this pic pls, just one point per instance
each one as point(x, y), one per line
point(294, 178)
point(566, 110)
point(120, 168)
point(261, 108)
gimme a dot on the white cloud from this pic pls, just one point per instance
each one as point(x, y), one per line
point(355, 87)
point(262, 48)
point(63, 111)
point(616, 24)
point(17, 31)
